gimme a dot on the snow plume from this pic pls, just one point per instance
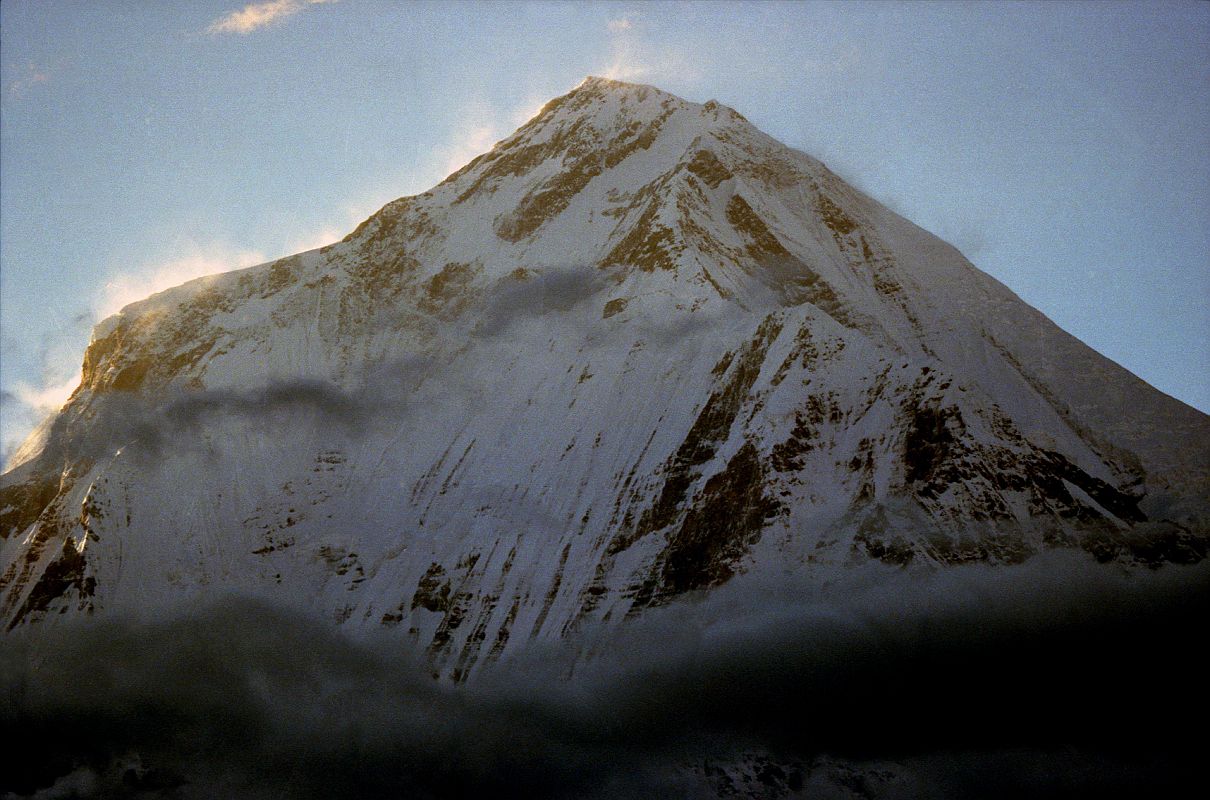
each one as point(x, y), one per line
point(324, 236)
point(469, 141)
point(635, 57)
point(1042, 679)
point(481, 126)
point(135, 284)
point(24, 410)
point(17, 422)
point(24, 404)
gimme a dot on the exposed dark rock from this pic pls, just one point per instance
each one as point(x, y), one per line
point(711, 427)
point(723, 522)
point(929, 446)
point(762, 243)
point(840, 223)
point(706, 166)
point(874, 539)
point(615, 306)
point(22, 503)
point(63, 574)
point(432, 593)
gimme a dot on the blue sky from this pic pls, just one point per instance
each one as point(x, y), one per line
point(1062, 147)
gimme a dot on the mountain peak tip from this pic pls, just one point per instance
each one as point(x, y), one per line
point(598, 83)
point(597, 80)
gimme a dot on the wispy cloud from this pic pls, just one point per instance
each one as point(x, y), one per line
point(623, 24)
point(32, 76)
point(25, 408)
point(259, 15)
point(26, 403)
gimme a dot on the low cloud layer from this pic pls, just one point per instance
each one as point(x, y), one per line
point(556, 290)
point(146, 428)
point(1054, 677)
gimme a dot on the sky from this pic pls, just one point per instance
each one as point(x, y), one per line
point(1064, 148)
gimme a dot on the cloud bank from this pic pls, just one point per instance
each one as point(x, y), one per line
point(1044, 679)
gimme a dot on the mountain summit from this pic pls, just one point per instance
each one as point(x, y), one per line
point(635, 349)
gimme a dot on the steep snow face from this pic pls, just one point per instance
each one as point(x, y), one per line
point(634, 349)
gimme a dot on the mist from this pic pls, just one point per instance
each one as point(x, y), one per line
point(560, 289)
point(1054, 677)
point(148, 427)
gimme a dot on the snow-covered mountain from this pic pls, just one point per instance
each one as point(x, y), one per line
point(636, 348)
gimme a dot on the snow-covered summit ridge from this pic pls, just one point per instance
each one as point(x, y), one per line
point(634, 349)
point(598, 172)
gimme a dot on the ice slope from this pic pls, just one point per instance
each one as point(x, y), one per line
point(635, 348)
